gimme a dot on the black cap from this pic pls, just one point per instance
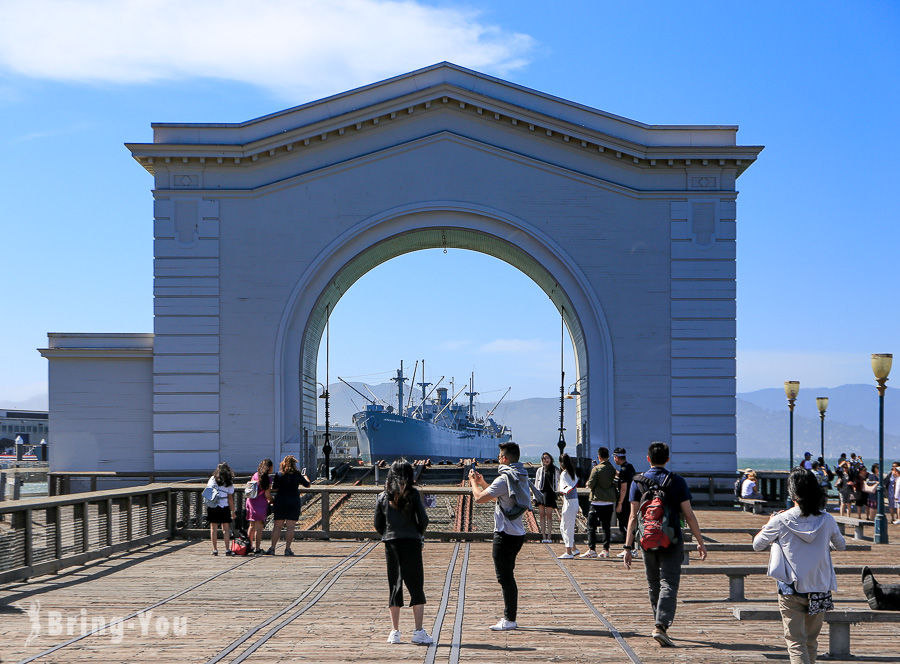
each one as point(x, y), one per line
point(619, 451)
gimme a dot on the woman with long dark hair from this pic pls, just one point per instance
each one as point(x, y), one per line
point(568, 483)
point(258, 507)
point(547, 479)
point(286, 485)
point(800, 562)
point(223, 513)
point(401, 520)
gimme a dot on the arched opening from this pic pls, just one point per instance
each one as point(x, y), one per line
point(438, 225)
point(448, 315)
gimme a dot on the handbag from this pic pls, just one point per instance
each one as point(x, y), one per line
point(240, 545)
point(251, 490)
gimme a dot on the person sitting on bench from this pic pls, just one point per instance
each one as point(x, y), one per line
point(749, 489)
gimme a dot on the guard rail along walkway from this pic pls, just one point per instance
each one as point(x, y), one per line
point(44, 535)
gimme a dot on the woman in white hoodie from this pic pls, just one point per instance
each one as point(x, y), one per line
point(800, 562)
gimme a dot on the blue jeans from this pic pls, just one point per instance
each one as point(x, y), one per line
point(663, 570)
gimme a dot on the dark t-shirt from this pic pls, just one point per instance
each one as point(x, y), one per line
point(626, 475)
point(288, 486)
point(676, 493)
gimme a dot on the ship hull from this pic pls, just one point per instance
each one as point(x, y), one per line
point(388, 436)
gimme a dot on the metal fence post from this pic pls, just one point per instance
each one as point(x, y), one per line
point(58, 533)
point(129, 504)
point(85, 527)
point(109, 525)
point(29, 544)
point(326, 514)
point(149, 513)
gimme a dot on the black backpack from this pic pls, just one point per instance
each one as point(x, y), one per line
point(737, 485)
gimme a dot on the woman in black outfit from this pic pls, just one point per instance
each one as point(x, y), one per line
point(401, 520)
point(286, 484)
point(546, 479)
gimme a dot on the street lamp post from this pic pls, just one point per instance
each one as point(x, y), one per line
point(326, 447)
point(561, 443)
point(881, 366)
point(581, 447)
point(822, 404)
point(791, 389)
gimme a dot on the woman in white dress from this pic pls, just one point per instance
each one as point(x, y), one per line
point(568, 483)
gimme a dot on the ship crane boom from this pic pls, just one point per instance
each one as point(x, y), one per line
point(491, 411)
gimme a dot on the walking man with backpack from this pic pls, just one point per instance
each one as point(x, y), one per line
point(511, 491)
point(659, 499)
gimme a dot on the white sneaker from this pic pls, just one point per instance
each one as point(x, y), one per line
point(604, 553)
point(589, 554)
point(620, 555)
point(575, 552)
point(394, 636)
point(546, 541)
point(565, 556)
point(421, 636)
point(505, 624)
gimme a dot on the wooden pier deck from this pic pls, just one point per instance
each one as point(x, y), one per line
point(327, 604)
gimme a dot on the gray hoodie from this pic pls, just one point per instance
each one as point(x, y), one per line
point(801, 549)
point(511, 488)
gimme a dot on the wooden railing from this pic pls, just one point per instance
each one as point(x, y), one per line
point(44, 535)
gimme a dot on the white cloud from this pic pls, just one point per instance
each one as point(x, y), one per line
point(514, 346)
point(296, 48)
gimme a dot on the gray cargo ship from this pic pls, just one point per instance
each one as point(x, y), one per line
point(436, 428)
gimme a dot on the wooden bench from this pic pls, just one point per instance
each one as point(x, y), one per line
point(858, 525)
point(755, 505)
point(737, 573)
point(730, 547)
point(839, 622)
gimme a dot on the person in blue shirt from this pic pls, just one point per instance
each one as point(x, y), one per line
point(663, 565)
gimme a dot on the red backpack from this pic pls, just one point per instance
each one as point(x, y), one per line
point(653, 529)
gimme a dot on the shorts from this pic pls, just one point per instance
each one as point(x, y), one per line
point(550, 500)
point(287, 510)
point(218, 515)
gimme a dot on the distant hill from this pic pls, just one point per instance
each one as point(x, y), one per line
point(851, 421)
point(762, 420)
point(38, 402)
point(848, 404)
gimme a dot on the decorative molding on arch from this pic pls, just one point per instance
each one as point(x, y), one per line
point(585, 318)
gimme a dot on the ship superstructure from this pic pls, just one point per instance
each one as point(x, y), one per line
point(436, 428)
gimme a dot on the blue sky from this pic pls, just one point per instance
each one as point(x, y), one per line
point(815, 82)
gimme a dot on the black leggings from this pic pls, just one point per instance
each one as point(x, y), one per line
point(505, 549)
point(404, 565)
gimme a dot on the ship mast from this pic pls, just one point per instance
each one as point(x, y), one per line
point(472, 394)
point(399, 378)
point(423, 384)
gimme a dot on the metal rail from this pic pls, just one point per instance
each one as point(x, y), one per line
point(590, 605)
point(234, 645)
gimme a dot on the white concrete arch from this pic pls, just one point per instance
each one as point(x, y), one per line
point(433, 224)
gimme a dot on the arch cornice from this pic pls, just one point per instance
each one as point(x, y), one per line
point(696, 144)
point(575, 291)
